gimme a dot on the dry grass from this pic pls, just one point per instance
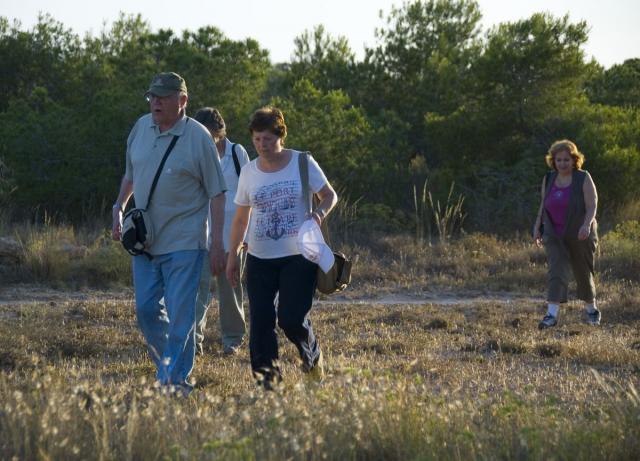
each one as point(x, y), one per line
point(65, 257)
point(404, 382)
point(62, 256)
point(480, 263)
point(420, 381)
point(475, 262)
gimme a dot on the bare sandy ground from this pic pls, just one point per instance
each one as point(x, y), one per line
point(35, 294)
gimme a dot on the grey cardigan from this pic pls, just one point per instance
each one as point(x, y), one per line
point(576, 209)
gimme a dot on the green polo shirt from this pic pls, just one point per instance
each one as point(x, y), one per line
point(190, 177)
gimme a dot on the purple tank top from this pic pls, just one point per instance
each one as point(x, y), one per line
point(556, 203)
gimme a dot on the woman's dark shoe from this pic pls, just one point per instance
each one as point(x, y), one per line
point(547, 322)
point(268, 378)
point(593, 318)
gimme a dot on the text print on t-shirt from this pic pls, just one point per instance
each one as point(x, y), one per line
point(276, 215)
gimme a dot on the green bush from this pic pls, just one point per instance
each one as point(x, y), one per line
point(620, 257)
point(378, 217)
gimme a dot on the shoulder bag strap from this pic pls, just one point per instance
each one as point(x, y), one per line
point(236, 163)
point(303, 165)
point(307, 197)
point(164, 159)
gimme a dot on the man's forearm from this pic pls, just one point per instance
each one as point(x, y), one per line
point(126, 189)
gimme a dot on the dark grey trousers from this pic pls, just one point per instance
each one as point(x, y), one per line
point(566, 255)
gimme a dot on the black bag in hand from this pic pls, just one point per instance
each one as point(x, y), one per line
point(338, 277)
point(137, 233)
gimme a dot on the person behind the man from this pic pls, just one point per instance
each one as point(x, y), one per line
point(231, 313)
point(189, 187)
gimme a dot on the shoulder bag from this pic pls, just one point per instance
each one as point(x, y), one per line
point(339, 276)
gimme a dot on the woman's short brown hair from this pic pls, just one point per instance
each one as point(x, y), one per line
point(566, 146)
point(269, 118)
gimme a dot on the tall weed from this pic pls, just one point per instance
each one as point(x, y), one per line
point(447, 217)
point(342, 220)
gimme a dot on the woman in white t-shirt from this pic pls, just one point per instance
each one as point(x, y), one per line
point(270, 204)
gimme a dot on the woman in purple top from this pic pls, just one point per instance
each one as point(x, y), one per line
point(566, 225)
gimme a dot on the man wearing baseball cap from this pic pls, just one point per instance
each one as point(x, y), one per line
point(189, 186)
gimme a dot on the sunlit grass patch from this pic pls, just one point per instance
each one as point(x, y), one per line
point(67, 257)
point(355, 416)
point(602, 348)
point(46, 252)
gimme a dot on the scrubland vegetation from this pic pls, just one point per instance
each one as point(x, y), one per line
point(436, 99)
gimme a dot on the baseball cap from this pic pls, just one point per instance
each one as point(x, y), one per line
point(312, 246)
point(165, 84)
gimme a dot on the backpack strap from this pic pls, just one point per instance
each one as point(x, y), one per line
point(236, 162)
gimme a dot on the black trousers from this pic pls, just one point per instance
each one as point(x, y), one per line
point(294, 278)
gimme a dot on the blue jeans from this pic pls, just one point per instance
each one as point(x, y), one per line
point(169, 329)
point(294, 278)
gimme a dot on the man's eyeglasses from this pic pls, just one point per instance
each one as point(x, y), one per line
point(150, 96)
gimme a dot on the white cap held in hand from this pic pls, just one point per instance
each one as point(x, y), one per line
point(312, 246)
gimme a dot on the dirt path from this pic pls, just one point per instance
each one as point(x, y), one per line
point(445, 298)
point(34, 294)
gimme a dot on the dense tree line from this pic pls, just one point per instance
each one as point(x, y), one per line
point(435, 100)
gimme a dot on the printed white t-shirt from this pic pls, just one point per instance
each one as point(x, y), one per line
point(277, 208)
